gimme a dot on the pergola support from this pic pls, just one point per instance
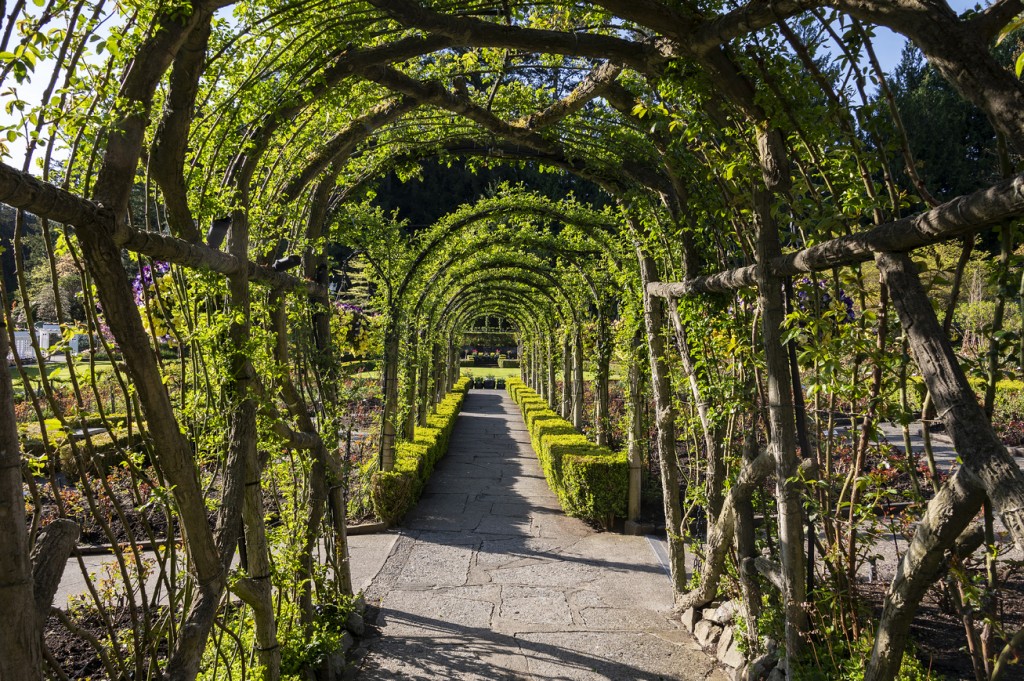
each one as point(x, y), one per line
point(963, 216)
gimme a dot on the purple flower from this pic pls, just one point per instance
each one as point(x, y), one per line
point(806, 303)
point(145, 278)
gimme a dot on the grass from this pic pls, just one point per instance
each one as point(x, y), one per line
point(495, 372)
point(57, 373)
point(32, 371)
point(484, 372)
point(63, 374)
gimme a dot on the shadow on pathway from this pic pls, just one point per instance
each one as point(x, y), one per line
point(490, 580)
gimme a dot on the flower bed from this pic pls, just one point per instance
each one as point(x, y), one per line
point(394, 492)
point(591, 481)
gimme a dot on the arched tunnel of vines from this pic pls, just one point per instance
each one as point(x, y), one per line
point(423, 339)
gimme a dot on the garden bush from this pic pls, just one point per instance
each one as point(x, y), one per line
point(107, 451)
point(96, 421)
point(1009, 402)
point(505, 363)
point(394, 492)
point(591, 481)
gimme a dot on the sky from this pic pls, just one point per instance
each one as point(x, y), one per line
point(889, 45)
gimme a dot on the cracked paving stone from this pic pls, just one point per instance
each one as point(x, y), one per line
point(534, 605)
point(435, 565)
point(593, 656)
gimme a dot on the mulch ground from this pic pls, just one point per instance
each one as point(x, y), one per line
point(939, 635)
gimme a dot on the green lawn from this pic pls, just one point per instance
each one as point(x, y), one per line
point(484, 372)
point(57, 373)
point(61, 373)
point(32, 371)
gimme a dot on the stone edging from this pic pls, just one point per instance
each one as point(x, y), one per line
point(715, 630)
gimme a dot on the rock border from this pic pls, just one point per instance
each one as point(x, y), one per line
point(713, 627)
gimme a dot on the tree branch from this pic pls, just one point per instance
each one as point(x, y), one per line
point(21, 190)
point(434, 93)
point(595, 84)
point(45, 200)
point(991, 20)
point(344, 142)
point(749, 18)
point(962, 216)
point(648, 56)
point(167, 158)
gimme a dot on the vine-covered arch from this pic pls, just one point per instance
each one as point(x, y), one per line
point(197, 195)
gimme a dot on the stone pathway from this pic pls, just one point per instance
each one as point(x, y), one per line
point(489, 580)
point(942, 446)
point(367, 554)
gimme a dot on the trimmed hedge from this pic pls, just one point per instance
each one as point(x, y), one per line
point(394, 492)
point(591, 481)
point(106, 451)
point(505, 363)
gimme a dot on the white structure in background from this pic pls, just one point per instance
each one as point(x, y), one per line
point(51, 341)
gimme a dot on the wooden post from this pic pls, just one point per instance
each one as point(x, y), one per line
point(665, 416)
point(634, 448)
point(577, 379)
point(782, 427)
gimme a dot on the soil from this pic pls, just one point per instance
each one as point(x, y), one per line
point(939, 635)
point(1011, 430)
point(125, 514)
point(77, 657)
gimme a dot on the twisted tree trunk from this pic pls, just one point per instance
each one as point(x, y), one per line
point(716, 462)
point(552, 389)
point(782, 427)
point(566, 410)
point(409, 422)
point(389, 378)
point(22, 658)
point(602, 419)
point(987, 466)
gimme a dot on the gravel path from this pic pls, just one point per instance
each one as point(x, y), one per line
point(490, 580)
